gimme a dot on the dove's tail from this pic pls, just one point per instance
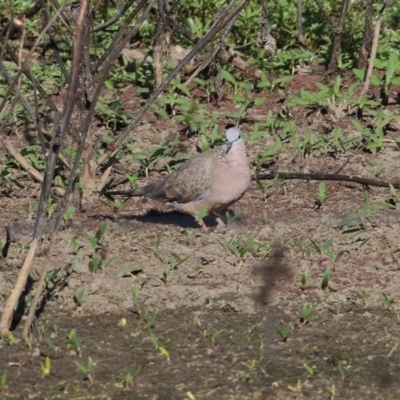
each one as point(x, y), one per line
point(131, 192)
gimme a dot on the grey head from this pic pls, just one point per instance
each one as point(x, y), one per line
point(233, 137)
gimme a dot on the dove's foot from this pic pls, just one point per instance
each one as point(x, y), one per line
point(203, 225)
point(220, 222)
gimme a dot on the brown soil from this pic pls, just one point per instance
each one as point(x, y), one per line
point(217, 313)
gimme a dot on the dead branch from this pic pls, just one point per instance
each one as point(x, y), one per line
point(58, 136)
point(374, 50)
point(115, 18)
point(367, 36)
point(326, 177)
point(218, 26)
point(23, 163)
point(214, 52)
point(337, 41)
point(227, 56)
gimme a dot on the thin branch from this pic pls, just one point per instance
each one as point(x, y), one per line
point(226, 56)
point(53, 151)
point(22, 162)
point(214, 52)
point(219, 24)
point(326, 15)
point(374, 50)
point(326, 177)
point(115, 18)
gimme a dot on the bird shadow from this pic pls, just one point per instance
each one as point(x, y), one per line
point(154, 216)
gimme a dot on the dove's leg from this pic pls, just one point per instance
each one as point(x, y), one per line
point(203, 225)
point(220, 222)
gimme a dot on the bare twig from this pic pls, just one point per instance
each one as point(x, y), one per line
point(226, 56)
point(337, 40)
point(126, 32)
point(326, 177)
point(115, 18)
point(38, 289)
point(326, 15)
point(214, 52)
point(54, 149)
point(300, 34)
point(374, 50)
point(23, 163)
point(367, 36)
point(218, 25)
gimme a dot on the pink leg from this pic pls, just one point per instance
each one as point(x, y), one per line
point(220, 222)
point(203, 225)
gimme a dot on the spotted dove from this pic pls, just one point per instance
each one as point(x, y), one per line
point(210, 182)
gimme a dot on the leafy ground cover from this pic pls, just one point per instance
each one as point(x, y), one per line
point(296, 298)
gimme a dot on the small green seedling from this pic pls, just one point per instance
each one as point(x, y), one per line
point(52, 345)
point(78, 297)
point(387, 302)
point(304, 277)
point(321, 196)
point(310, 370)
point(75, 244)
point(67, 216)
point(332, 392)
point(208, 333)
point(10, 340)
point(342, 371)
point(325, 278)
point(132, 178)
point(172, 264)
point(231, 218)
point(237, 247)
point(87, 369)
point(3, 381)
point(306, 313)
point(153, 338)
point(127, 381)
point(46, 366)
point(284, 332)
point(297, 388)
point(201, 214)
point(74, 342)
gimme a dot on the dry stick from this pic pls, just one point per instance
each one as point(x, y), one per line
point(110, 55)
point(366, 45)
point(29, 55)
point(226, 56)
point(115, 18)
point(218, 25)
point(53, 42)
point(214, 53)
point(300, 33)
point(159, 42)
point(38, 289)
point(326, 15)
point(23, 163)
point(124, 35)
point(5, 321)
point(114, 51)
point(374, 50)
point(326, 177)
point(78, 42)
point(337, 40)
point(100, 79)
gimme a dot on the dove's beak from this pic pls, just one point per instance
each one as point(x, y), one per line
point(228, 146)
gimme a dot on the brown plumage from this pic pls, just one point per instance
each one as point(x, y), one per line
point(213, 180)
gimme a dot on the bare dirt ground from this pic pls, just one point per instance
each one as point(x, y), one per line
point(215, 333)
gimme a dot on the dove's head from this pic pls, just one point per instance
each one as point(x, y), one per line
point(234, 136)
